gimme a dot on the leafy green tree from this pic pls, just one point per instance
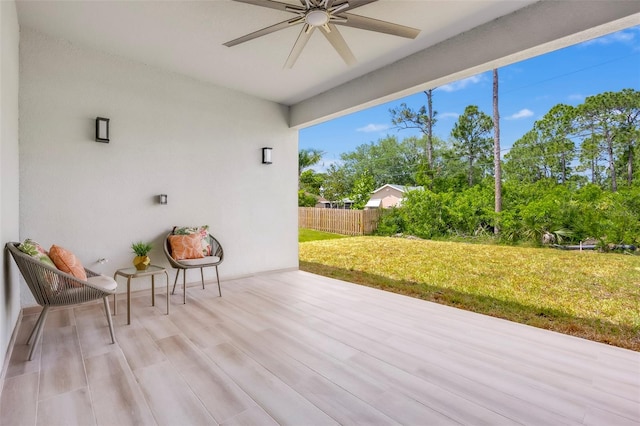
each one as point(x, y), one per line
point(387, 160)
point(525, 160)
point(472, 141)
point(308, 181)
point(629, 111)
point(306, 200)
point(471, 211)
point(361, 191)
point(590, 158)
point(425, 214)
point(546, 151)
point(449, 172)
point(555, 129)
point(308, 158)
point(423, 120)
point(337, 185)
point(612, 118)
point(311, 182)
point(446, 165)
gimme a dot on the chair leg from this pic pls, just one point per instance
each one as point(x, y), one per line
point(37, 324)
point(109, 320)
point(40, 327)
point(202, 276)
point(184, 286)
point(218, 278)
point(176, 281)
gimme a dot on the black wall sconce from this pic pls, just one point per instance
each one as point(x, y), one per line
point(266, 155)
point(162, 199)
point(102, 129)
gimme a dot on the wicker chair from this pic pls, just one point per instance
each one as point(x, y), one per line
point(217, 255)
point(52, 287)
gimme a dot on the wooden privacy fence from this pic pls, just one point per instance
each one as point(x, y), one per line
point(339, 221)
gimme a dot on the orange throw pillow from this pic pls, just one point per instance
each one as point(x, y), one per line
point(67, 262)
point(186, 246)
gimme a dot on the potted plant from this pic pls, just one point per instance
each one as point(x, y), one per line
point(141, 261)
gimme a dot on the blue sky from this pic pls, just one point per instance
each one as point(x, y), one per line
point(528, 89)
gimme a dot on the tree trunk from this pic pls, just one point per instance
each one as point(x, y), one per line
point(470, 172)
point(497, 172)
point(595, 179)
point(630, 165)
point(612, 166)
point(429, 94)
point(563, 162)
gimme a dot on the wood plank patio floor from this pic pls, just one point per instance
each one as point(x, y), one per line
point(300, 349)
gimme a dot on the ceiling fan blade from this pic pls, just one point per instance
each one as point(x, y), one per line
point(272, 4)
point(302, 40)
point(353, 4)
point(365, 23)
point(268, 30)
point(338, 43)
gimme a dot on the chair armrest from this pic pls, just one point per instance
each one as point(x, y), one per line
point(216, 247)
point(90, 273)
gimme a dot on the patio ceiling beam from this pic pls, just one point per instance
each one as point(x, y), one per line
point(537, 29)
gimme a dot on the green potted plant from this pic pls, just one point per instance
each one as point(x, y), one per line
point(141, 261)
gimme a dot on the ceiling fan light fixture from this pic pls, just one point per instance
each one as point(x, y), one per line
point(317, 17)
point(326, 15)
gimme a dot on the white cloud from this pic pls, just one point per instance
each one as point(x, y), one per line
point(462, 84)
point(523, 113)
point(372, 127)
point(625, 36)
point(448, 115)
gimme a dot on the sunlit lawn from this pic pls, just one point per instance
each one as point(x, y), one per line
point(313, 235)
point(587, 294)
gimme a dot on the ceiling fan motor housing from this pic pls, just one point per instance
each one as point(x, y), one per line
point(324, 15)
point(316, 17)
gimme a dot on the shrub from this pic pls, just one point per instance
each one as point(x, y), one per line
point(470, 212)
point(391, 222)
point(306, 199)
point(425, 214)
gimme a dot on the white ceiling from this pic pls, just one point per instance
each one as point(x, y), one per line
point(458, 38)
point(186, 37)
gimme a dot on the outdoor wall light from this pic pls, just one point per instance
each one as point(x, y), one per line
point(162, 199)
point(102, 129)
point(266, 155)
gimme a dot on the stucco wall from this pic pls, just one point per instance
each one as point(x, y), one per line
point(9, 75)
point(389, 196)
point(387, 191)
point(198, 143)
point(390, 201)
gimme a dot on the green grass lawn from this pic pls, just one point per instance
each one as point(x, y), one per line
point(305, 235)
point(586, 294)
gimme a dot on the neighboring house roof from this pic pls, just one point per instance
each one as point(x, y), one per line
point(401, 188)
point(325, 201)
point(373, 203)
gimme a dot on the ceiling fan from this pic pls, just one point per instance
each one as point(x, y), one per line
point(324, 15)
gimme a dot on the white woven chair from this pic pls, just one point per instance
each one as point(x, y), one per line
point(216, 257)
point(52, 287)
